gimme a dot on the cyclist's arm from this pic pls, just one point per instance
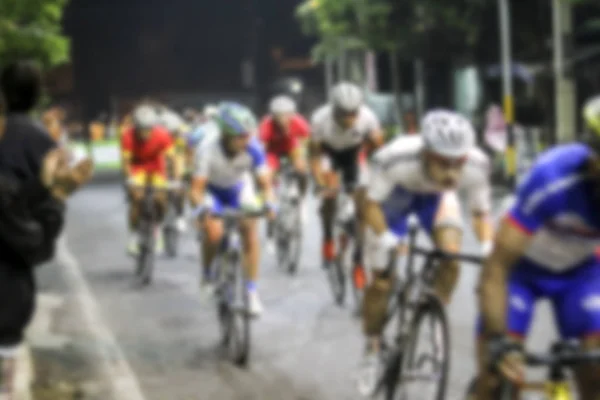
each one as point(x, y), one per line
point(199, 178)
point(535, 205)
point(126, 155)
point(314, 149)
point(378, 190)
point(480, 201)
point(261, 173)
point(510, 245)
point(375, 138)
point(171, 156)
point(303, 138)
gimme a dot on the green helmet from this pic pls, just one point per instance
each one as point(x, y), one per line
point(235, 119)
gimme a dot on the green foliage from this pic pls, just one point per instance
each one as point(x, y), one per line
point(414, 27)
point(429, 29)
point(345, 24)
point(32, 29)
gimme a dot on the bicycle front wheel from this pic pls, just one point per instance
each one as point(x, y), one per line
point(145, 258)
point(239, 307)
point(423, 374)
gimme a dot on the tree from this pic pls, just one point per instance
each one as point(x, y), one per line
point(415, 28)
point(345, 25)
point(32, 29)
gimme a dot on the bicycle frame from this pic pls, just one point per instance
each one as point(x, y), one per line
point(418, 285)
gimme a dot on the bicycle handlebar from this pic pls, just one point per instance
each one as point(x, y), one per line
point(444, 255)
point(561, 354)
point(170, 185)
point(234, 214)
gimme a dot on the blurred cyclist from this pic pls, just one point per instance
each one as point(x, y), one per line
point(284, 133)
point(147, 149)
point(219, 182)
point(342, 131)
point(176, 126)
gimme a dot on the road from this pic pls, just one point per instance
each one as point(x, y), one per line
point(164, 338)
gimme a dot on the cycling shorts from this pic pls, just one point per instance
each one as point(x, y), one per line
point(139, 177)
point(350, 163)
point(432, 210)
point(239, 196)
point(574, 296)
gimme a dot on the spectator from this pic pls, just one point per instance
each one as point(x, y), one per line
point(35, 179)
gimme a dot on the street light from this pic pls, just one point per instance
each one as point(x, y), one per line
point(507, 90)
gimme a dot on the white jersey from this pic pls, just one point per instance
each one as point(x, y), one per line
point(324, 129)
point(212, 164)
point(398, 166)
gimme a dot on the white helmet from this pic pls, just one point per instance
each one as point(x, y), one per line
point(282, 105)
point(171, 121)
point(447, 133)
point(346, 96)
point(210, 111)
point(145, 117)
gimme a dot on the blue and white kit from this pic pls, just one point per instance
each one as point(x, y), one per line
point(399, 183)
point(229, 179)
point(556, 205)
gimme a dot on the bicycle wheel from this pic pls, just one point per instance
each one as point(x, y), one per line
point(239, 305)
point(414, 365)
point(171, 234)
point(294, 241)
point(337, 281)
point(145, 258)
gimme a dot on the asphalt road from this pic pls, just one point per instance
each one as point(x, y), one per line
point(161, 342)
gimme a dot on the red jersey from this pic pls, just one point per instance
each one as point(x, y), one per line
point(279, 142)
point(149, 154)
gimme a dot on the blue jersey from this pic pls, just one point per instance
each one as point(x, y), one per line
point(555, 204)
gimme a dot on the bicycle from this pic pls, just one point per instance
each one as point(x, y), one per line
point(230, 289)
point(147, 238)
point(170, 230)
point(413, 302)
point(288, 223)
point(345, 233)
point(563, 354)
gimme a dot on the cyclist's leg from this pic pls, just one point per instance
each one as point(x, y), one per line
point(378, 290)
point(521, 296)
point(212, 229)
point(17, 286)
point(577, 312)
point(440, 216)
point(136, 195)
point(298, 159)
point(273, 164)
point(327, 211)
point(161, 198)
point(234, 198)
point(356, 176)
point(375, 301)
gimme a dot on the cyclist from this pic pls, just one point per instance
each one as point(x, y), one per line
point(173, 123)
point(219, 181)
point(341, 130)
point(283, 133)
point(544, 248)
point(147, 148)
point(420, 175)
point(210, 112)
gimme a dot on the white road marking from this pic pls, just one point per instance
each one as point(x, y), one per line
point(113, 364)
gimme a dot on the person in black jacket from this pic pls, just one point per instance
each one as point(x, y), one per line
point(35, 179)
